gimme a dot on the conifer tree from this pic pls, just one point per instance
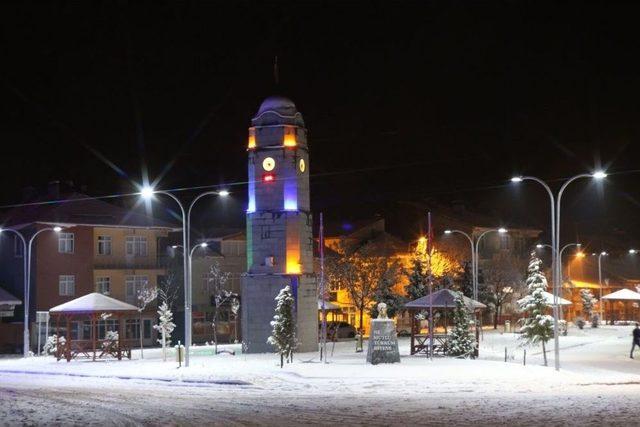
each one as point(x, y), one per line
point(538, 326)
point(418, 285)
point(588, 301)
point(283, 335)
point(462, 342)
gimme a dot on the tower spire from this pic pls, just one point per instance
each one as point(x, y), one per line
point(276, 75)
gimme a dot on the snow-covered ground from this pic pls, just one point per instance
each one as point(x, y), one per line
point(598, 384)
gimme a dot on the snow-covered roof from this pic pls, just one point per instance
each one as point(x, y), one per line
point(623, 294)
point(93, 303)
point(7, 299)
point(328, 305)
point(548, 297)
point(444, 298)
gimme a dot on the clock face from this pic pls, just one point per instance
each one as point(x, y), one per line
point(302, 165)
point(268, 164)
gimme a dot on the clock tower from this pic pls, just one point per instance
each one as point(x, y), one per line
point(279, 236)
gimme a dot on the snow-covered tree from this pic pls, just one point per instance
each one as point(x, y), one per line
point(165, 327)
point(145, 296)
point(588, 301)
point(220, 296)
point(418, 285)
point(50, 347)
point(110, 337)
point(538, 326)
point(462, 343)
point(283, 335)
point(385, 293)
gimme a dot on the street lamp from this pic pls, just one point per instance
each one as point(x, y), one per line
point(600, 255)
point(633, 251)
point(147, 193)
point(27, 278)
point(473, 258)
point(555, 243)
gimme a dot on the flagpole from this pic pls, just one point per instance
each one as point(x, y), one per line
point(429, 278)
point(323, 334)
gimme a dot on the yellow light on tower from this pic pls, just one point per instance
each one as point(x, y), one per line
point(252, 138)
point(290, 136)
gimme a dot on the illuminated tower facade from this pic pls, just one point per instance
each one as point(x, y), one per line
point(279, 235)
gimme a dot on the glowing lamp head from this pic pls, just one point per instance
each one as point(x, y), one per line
point(539, 246)
point(516, 179)
point(599, 175)
point(448, 231)
point(603, 253)
point(268, 177)
point(146, 192)
point(223, 193)
point(57, 229)
point(633, 251)
point(580, 254)
point(502, 230)
point(203, 245)
point(579, 245)
point(174, 246)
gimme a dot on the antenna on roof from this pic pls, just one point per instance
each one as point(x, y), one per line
point(276, 76)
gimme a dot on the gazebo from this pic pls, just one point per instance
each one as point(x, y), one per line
point(548, 297)
point(444, 299)
point(624, 297)
point(92, 316)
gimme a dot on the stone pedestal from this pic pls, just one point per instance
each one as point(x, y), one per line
point(383, 342)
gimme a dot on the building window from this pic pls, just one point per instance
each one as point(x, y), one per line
point(67, 285)
point(65, 243)
point(136, 246)
point(132, 329)
point(103, 285)
point(18, 247)
point(134, 285)
point(147, 329)
point(104, 245)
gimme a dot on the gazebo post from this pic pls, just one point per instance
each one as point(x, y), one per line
point(58, 338)
point(93, 335)
point(413, 330)
point(68, 342)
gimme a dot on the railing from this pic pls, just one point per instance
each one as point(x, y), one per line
point(132, 263)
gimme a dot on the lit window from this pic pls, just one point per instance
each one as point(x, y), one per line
point(103, 285)
point(133, 285)
point(65, 243)
point(136, 246)
point(252, 138)
point(289, 136)
point(67, 285)
point(104, 245)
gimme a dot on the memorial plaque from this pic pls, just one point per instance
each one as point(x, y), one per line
point(383, 342)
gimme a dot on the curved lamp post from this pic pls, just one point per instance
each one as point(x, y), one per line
point(147, 193)
point(555, 241)
point(27, 278)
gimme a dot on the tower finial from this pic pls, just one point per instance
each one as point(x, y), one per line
point(276, 76)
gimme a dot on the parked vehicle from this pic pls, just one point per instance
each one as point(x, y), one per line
point(338, 330)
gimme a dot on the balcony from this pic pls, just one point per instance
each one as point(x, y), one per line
point(130, 263)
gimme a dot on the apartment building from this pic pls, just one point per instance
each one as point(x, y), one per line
point(100, 248)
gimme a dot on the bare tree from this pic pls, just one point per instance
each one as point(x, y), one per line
point(169, 289)
point(358, 270)
point(146, 295)
point(501, 279)
point(221, 296)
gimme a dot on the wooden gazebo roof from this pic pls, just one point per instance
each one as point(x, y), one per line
point(93, 303)
point(444, 298)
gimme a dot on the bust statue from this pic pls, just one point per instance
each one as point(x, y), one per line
point(382, 311)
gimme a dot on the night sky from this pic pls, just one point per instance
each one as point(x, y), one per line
point(410, 101)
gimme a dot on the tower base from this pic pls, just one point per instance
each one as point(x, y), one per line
point(258, 307)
